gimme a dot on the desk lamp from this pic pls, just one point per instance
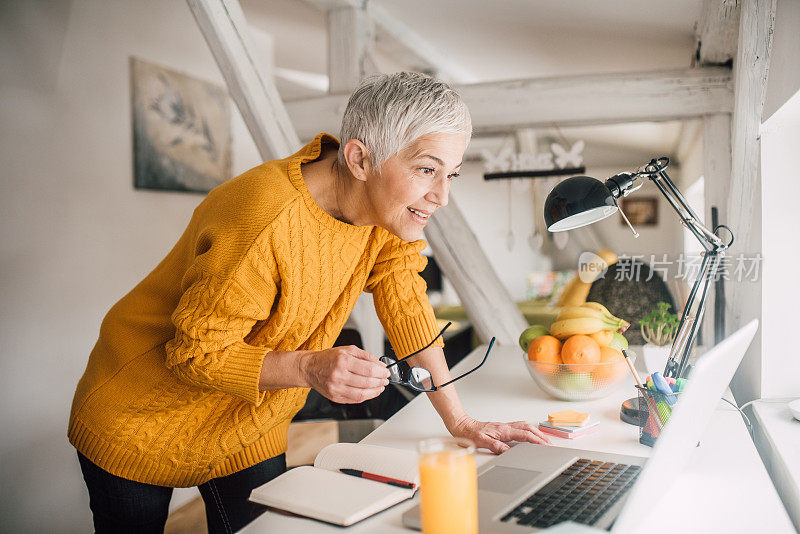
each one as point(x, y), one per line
point(582, 200)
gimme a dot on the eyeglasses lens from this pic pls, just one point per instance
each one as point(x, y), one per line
point(420, 378)
point(394, 371)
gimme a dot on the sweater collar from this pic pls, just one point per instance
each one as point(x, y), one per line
point(311, 152)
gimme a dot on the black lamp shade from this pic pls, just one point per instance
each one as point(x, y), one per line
point(576, 202)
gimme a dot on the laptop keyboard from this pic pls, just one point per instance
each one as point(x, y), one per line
point(582, 493)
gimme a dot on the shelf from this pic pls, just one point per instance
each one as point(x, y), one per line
point(777, 437)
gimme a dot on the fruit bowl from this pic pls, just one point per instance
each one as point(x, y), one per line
point(574, 382)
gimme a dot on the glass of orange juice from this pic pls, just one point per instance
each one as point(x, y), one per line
point(448, 486)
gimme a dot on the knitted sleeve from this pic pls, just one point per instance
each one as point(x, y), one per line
point(212, 319)
point(400, 299)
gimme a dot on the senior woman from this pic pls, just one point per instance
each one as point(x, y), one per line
point(198, 371)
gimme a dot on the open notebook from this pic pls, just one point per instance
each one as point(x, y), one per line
point(323, 493)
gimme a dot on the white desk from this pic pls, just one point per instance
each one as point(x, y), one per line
point(725, 488)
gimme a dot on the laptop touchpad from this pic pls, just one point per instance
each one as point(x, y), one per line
point(500, 479)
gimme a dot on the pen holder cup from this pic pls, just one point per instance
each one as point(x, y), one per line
point(655, 409)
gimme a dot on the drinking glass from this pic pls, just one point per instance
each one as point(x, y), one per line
point(448, 486)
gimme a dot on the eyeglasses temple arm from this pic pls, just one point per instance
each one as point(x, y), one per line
point(423, 348)
point(393, 363)
point(488, 350)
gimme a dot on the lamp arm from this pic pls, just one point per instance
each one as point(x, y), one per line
point(695, 306)
point(692, 316)
point(622, 184)
point(693, 310)
point(708, 239)
point(714, 247)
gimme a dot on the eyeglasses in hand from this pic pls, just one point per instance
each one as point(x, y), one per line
point(419, 378)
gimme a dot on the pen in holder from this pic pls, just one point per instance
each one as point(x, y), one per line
point(659, 408)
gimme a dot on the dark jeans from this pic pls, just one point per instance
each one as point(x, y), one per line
point(120, 506)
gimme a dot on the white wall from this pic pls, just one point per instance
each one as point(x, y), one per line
point(76, 236)
point(784, 74)
point(612, 233)
point(485, 206)
point(780, 139)
point(662, 238)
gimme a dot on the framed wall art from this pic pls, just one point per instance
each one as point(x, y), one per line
point(641, 211)
point(181, 130)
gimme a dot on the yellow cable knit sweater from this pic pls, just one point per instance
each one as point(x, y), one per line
point(170, 394)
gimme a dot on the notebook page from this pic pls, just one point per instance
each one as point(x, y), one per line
point(328, 495)
point(393, 463)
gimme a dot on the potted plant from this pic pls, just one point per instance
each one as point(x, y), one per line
point(658, 330)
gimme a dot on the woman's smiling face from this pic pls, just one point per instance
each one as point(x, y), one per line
point(414, 183)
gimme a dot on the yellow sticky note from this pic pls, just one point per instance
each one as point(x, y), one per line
point(570, 417)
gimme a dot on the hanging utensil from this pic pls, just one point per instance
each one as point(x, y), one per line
point(561, 239)
point(510, 235)
point(535, 239)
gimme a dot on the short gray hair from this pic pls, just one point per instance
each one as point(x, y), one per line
point(388, 112)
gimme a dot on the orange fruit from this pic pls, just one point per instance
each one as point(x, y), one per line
point(580, 349)
point(603, 337)
point(545, 349)
point(608, 372)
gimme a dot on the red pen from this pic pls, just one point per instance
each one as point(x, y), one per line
point(378, 478)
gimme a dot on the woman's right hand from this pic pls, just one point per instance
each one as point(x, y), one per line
point(347, 375)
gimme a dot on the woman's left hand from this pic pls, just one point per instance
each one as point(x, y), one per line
point(497, 436)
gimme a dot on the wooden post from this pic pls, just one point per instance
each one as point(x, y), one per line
point(716, 33)
point(744, 204)
point(225, 30)
point(717, 163)
point(350, 38)
point(750, 75)
point(717, 179)
point(397, 40)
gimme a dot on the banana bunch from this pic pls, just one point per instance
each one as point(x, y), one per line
point(586, 319)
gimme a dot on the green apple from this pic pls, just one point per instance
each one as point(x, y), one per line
point(618, 342)
point(575, 382)
point(529, 334)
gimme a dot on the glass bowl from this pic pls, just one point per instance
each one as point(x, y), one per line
point(574, 382)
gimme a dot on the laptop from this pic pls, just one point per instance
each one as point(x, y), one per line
point(532, 487)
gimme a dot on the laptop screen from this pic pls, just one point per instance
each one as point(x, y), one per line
point(704, 388)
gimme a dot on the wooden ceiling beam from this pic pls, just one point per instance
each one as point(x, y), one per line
point(350, 42)
point(566, 101)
